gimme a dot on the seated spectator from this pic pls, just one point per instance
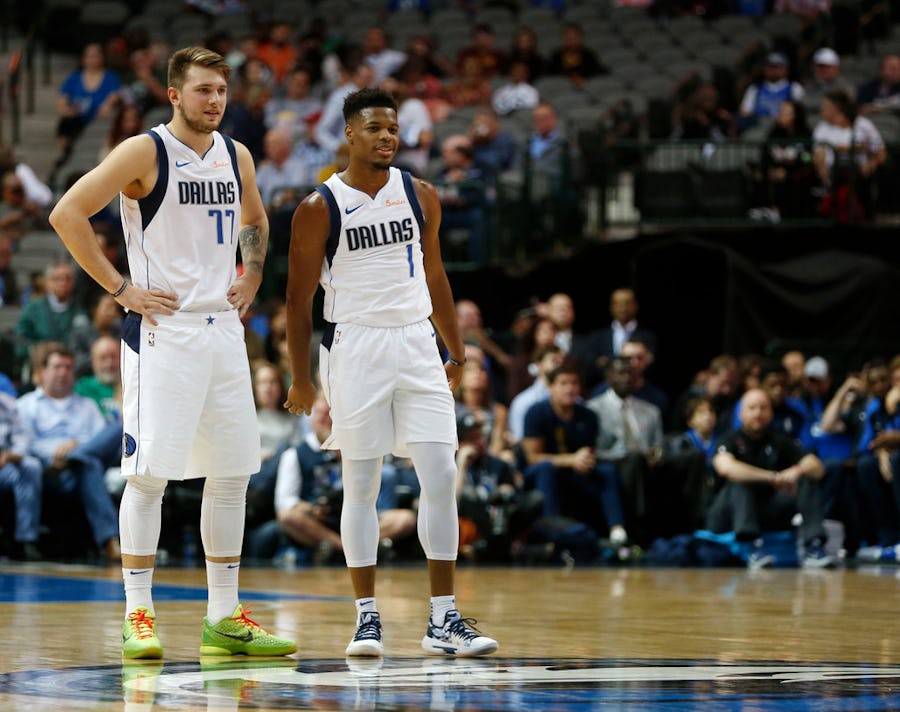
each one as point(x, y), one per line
point(546, 359)
point(278, 49)
point(103, 384)
point(702, 116)
point(847, 151)
point(631, 439)
point(793, 362)
point(377, 53)
point(555, 208)
point(522, 370)
point(18, 215)
point(128, 121)
point(354, 75)
point(308, 494)
point(882, 94)
point(106, 320)
point(524, 49)
point(788, 414)
point(88, 92)
point(474, 397)
point(471, 87)
point(718, 383)
point(640, 357)
point(573, 59)
point(21, 473)
point(9, 286)
point(559, 446)
point(493, 150)
point(416, 129)
point(460, 188)
point(473, 332)
point(54, 316)
point(518, 93)
point(769, 479)
point(875, 470)
point(494, 509)
point(144, 83)
point(490, 60)
point(277, 427)
point(35, 190)
point(280, 170)
point(789, 176)
point(417, 77)
point(765, 97)
point(826, 78)
point(244, 117)
point(296, 105)
point(59, 424)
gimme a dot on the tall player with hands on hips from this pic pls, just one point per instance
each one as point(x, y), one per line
point(188, 198)
point(369, 236)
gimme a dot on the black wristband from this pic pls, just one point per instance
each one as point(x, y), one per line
point(121, 288)
point(452, 360)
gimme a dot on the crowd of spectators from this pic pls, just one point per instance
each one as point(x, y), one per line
point(566, 444)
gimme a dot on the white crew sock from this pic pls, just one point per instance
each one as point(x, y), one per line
point(138, 585)
point(440, 606)
point(365, 605)
point(222, 579)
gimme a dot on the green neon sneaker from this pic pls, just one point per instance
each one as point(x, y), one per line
point(239, 635)
point(139, 639)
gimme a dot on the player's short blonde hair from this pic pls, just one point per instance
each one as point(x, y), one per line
point(185, 58)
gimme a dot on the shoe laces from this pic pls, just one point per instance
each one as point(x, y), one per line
point(244, 619)
point(142, 624)
point(369, 628)
point(463, 628)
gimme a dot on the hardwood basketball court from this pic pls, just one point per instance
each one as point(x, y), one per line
point(581, 638)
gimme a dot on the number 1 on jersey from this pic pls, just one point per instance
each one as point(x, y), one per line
point(217, 214)
point(409, 259)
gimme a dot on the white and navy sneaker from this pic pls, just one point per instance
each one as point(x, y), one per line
point(455, 637)
point(367, 641)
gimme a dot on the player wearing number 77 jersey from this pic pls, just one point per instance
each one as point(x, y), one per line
point(369, 236)
point(188, 199)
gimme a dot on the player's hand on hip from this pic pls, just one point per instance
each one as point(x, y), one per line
point(148, 301)
point(300, 397)
point(241, 294)
point(454, 375)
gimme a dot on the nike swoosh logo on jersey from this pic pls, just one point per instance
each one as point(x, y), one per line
point(352, 210)
point(180, 164)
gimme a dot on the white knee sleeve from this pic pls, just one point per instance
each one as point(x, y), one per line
point(140, 513)
point(359, 520)
point(222, 515)
point(438, 524)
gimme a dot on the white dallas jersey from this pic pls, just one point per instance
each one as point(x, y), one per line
point(373, 273)
point(182, 237)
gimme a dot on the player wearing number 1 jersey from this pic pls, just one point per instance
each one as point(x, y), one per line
point(188, 199)
point(369, 236)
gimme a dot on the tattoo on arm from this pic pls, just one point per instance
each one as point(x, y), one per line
point(253, 241)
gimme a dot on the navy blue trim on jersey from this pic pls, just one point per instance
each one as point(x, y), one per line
point(131, 331)
point(149, 204)
point(413, 199)
point(328, 335)
point(229, 144)
point(334, 218)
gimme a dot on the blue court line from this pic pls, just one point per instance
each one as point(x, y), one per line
point(36, 588)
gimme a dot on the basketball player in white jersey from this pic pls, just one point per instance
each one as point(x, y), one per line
point(188, 198)
point(369, 236)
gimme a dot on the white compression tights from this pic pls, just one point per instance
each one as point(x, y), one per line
point(437, 522)
point(140, 513)
point(222, 515)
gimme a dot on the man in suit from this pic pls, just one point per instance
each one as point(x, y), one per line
point(631, 437)
point(605, 343)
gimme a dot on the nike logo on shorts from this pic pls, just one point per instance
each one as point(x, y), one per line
point(352, 210)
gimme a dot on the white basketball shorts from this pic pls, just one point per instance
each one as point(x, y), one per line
point(387, 387)
point(188, 407)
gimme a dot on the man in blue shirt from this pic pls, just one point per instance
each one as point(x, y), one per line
point(59, 423)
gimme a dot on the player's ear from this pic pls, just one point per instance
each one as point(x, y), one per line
point(348, 133)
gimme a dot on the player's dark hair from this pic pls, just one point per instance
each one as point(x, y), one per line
point(367, 99)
